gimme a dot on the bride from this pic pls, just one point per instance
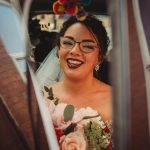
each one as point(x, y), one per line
point(80, 99)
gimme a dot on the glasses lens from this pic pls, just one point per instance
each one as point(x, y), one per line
point(87, 47)
point(66, 43)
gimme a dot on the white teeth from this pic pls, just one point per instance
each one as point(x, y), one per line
point(75, 62)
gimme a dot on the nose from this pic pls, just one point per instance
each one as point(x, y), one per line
point(76, 49)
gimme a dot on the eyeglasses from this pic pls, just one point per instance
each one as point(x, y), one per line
point(86, 46)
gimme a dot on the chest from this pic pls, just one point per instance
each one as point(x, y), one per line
point(97, 100)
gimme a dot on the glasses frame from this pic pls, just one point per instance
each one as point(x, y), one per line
point(75, 42)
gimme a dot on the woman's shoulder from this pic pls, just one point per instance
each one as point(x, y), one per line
point(103, 90)
point(103, 86)
point(102, 100)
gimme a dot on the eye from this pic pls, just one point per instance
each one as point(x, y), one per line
point(67, 42)
point(89, 47)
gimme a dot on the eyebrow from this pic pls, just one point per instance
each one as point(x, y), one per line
point(85, 40)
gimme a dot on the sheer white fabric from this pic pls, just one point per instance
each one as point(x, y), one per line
point(49, 71)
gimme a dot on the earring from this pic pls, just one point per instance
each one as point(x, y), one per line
point(96, 67)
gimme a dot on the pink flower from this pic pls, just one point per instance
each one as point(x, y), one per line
point(83, 112)
point(51, 106)
point(74, 140)
point(57, 114)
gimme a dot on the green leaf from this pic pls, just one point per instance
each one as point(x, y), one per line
point(68, 112)
point(88, 117)
point(50, 90)
point(50, 97)
point(56, 101)
point(50, 93)
point(70, 128)
point(46, 88)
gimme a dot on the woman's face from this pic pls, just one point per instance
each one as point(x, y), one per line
point(75, 63)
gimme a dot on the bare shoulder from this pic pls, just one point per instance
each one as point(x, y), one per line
point(107, 88)
point(103, 101)
point(103, 87)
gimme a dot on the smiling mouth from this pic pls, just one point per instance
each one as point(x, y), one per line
point(74, 63)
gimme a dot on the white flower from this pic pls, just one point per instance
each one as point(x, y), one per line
point(74, 141)
point(84, 112)
point(57, 114)
point(51, 106)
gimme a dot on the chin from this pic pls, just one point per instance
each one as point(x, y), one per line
point(74, 75)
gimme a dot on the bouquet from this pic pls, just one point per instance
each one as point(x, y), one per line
point(81, 129)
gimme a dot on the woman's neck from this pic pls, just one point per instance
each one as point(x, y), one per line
point(78, 86)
